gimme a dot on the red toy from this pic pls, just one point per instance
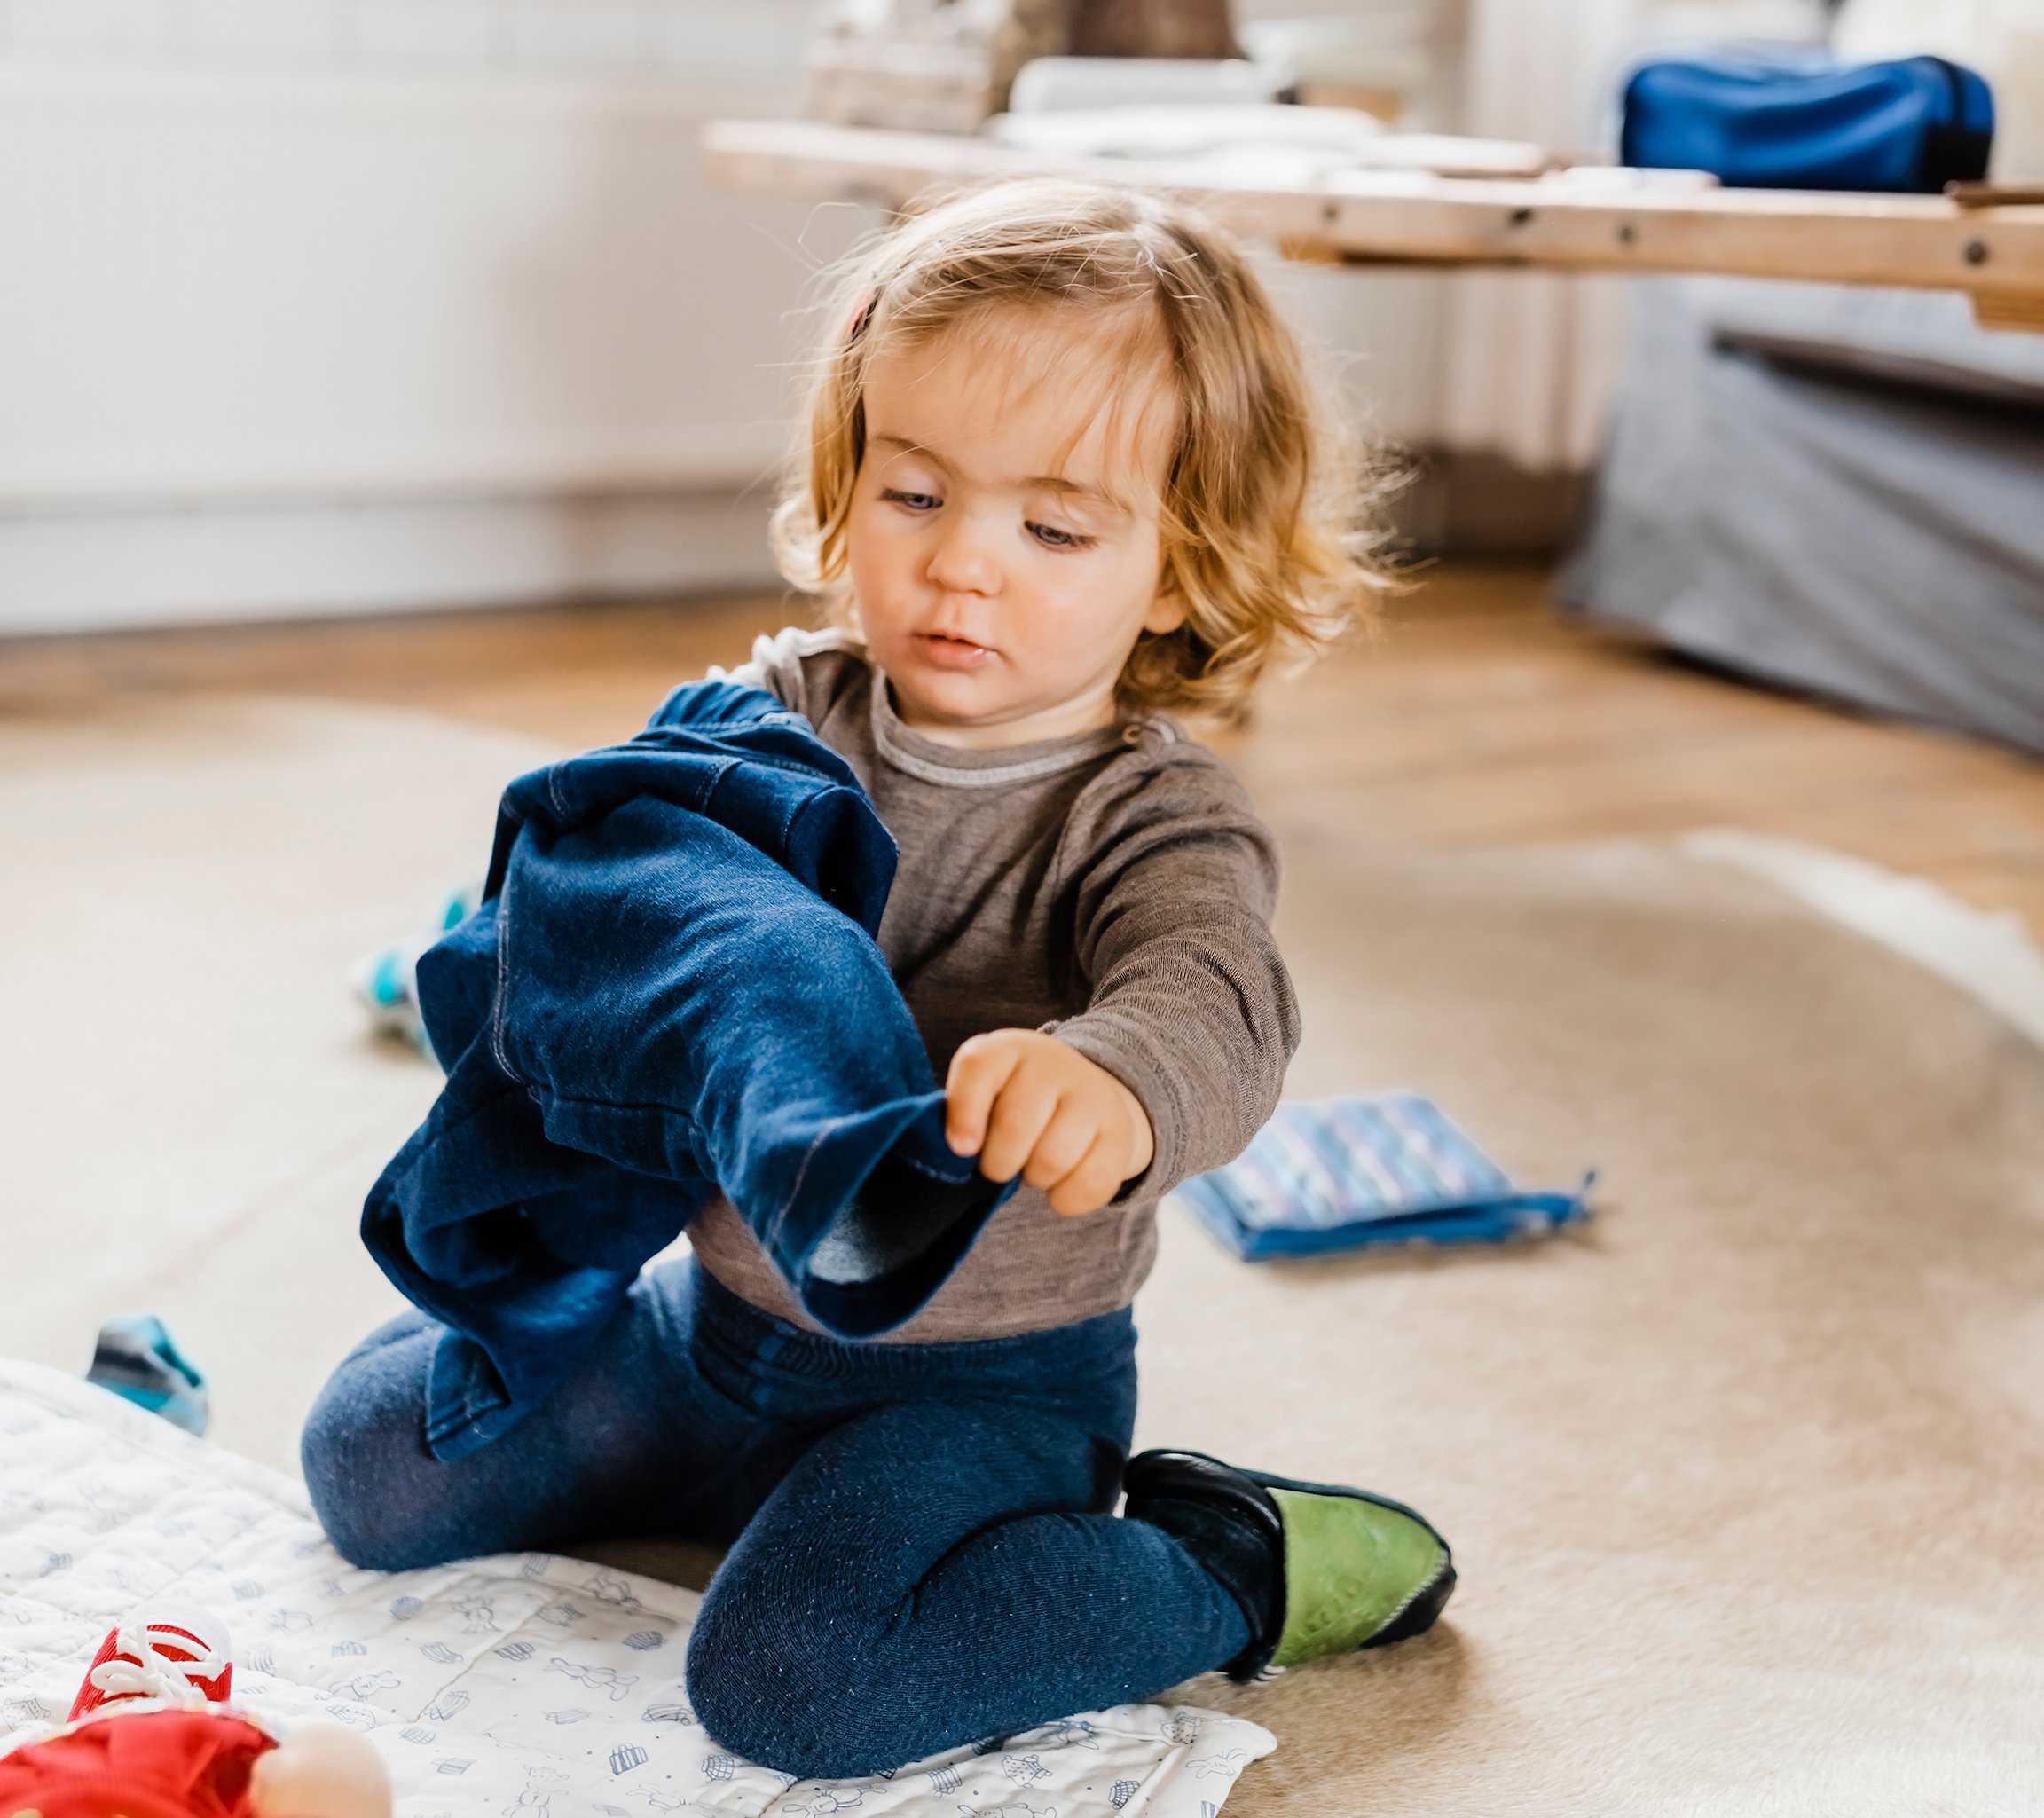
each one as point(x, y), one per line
point(151, 1736)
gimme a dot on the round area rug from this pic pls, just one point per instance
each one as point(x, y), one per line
point(1744, 1482)
point(193, 1110)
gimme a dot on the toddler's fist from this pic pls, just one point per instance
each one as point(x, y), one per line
point(1026, 1104)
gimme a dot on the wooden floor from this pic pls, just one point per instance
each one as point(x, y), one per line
point(1479, 719)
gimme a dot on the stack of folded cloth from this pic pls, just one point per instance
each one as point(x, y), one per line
point(1345, 1174)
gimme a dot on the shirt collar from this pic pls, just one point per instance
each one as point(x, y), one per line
point(1001, 767)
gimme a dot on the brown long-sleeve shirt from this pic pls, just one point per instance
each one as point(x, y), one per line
point(1114, 888)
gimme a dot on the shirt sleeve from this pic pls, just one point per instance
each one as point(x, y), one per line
point(1190, 1004)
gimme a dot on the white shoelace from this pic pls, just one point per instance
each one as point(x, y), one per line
point(153, 1674)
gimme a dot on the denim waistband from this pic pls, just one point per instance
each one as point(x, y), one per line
point(1090, 1350)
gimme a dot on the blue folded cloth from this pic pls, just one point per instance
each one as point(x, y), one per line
point(671, 986)
point(1345, 1174)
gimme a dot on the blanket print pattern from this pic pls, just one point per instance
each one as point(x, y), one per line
point(532, 1687)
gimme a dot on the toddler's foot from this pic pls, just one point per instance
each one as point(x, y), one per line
point(167, 1650)
point(1318, 1568)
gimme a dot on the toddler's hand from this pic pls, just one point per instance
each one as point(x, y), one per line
point(1026, 1103)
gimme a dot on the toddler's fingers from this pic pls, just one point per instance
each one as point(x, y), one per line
point(1089, 1186)
point(978, 1070)
point(1063, 1145)
point(1022, 1109)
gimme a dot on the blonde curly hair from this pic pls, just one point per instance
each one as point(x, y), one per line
point(1264, 517)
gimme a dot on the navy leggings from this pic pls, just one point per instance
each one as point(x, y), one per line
point(919, 1552)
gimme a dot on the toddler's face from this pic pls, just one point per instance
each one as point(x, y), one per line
point(1002, 540)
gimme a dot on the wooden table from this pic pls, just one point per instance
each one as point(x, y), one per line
point(1994, 252)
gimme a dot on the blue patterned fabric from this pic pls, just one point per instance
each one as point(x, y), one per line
point(671, 985)
point(1344, 1174)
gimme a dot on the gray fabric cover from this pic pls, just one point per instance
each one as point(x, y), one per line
point(1878, 542)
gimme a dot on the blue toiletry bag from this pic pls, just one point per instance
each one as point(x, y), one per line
point(1783, 120)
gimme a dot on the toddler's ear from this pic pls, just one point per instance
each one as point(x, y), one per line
point(321, 1771)
point(1167, 611)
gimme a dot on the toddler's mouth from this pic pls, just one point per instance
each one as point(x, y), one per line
point(947, 653)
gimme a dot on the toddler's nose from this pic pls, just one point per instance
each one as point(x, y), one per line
point(962, 563)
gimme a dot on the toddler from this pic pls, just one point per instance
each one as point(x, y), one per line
point(1064, 473)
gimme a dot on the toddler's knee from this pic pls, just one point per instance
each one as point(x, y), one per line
point(808, 1705)
point(361, 1469)
point(344, 1494)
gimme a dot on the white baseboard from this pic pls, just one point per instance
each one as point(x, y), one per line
point(89, 571)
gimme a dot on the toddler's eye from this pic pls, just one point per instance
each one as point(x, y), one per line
point(1052, 537)
point(914, 501)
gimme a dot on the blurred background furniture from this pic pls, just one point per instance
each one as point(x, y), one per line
point(330, 306)
point(1339, 207)
point(319, 306)
point(1834, 490)
point(1837, 490)
point(1815, 484)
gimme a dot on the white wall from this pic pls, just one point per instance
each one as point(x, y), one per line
point(330, 305)
point(325, 306)
point(333, 304)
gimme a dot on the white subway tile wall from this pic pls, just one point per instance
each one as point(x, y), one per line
point(430, 31)
point(686, 34)
point(302, 31)
point(590, 34)
point(116, 30)
point(311, 338)
point(642, 38)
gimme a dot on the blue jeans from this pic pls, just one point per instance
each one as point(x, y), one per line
point(920, 1555)
point(671, 987)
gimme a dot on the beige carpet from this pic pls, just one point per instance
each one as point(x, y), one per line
point(192, 1113)
point(1747, 1485)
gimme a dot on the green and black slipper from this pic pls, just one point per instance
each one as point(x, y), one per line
point(1318, 1568)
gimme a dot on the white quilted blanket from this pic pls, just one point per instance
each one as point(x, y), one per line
point(532, 1687)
